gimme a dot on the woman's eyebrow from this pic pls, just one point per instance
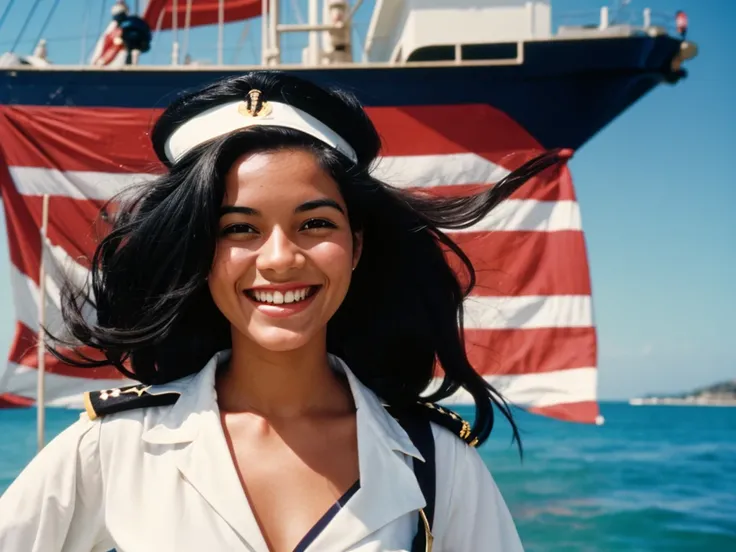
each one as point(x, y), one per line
point(317, 203)
point(306, 206)
point(238, 209)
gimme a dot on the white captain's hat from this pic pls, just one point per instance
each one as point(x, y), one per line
point(250, 112)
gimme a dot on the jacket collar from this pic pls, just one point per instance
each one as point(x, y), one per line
point(198, 394)
point(388, 486)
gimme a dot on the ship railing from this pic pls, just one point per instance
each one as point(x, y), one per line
point(616, 21)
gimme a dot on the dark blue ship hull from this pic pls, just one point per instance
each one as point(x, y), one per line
point(563, 93)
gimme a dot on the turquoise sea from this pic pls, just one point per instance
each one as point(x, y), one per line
point(651, 478)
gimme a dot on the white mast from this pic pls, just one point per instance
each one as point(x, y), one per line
point(187, 25)
point(313, 52)
point(220, 30)
point(175, 31)
point(274, 50)
point(41, 354)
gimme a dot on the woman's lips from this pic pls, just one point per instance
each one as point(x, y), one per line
point(283, 300)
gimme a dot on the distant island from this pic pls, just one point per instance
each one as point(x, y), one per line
point(720, 394)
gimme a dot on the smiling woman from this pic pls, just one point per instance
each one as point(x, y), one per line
point(285, 313)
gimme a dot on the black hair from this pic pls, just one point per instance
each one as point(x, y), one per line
point(403, 314)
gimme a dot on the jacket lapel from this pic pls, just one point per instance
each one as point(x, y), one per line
point(388, 486)
point(207, 465)
point(204, 460)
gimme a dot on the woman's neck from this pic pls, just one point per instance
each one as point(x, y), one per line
point(281, 384)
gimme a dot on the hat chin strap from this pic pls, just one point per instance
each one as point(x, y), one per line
point(237, 115)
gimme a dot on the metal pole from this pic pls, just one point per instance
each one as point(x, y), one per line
point(313, 35)
point(41, 354)
point(264, 32)
point(187, 25)
point(647, 18)
point(175, 32)
point(274, 37)
point(220, 30)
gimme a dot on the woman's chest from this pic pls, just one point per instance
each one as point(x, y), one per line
point(295, 480)
point(176, 502)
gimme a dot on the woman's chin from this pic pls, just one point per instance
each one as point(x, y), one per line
point(279, 340)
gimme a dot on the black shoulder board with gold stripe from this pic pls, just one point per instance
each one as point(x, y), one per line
point(109, 401)
point(441, 416)
point(449, 420)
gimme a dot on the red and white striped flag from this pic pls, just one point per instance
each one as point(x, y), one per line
point(529, 322)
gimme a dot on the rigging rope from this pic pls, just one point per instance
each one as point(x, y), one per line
point(25, 25)
point(4, 16)
point(46, 22)
point(85, 33)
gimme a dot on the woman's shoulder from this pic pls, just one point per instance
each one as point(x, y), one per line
point(470, 512)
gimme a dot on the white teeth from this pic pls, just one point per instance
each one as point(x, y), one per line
point(279, 298)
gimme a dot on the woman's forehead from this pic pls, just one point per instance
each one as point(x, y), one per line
point(282, 174)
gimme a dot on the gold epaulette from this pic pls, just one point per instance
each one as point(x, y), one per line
point(449, 420)
point(109, 401)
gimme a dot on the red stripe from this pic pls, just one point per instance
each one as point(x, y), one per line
point(24, 239)
point(111, 140)
point(117, 139)
point(526, 263)
point(586, 412)
point(530, 351)
point(69, 227)
point(428, 130)
point(24, 351)
point(8, 400)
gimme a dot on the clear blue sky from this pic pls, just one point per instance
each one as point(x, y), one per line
point(656, 189)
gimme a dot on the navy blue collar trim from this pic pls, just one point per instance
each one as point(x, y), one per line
point(314, 532)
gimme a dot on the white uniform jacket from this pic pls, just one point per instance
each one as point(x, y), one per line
point(161, 479)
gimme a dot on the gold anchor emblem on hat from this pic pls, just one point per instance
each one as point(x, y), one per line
point(253, 106)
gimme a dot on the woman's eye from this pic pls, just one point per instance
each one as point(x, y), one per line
point(238, 229)
point(318, 224)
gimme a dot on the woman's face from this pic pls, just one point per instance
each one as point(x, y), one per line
point(285, 250)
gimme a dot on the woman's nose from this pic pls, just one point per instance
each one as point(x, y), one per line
point(279, 253)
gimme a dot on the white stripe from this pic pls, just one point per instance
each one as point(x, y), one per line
point(61, 391)
point(530, 215)
point(419, 171)
point(539, 389)
point(529, 311)
point(26, 294)
point(525, 390)
point(427, 171)
point(34, 181)
point(512, 215)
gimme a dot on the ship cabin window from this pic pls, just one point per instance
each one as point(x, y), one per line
point(469, 52)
